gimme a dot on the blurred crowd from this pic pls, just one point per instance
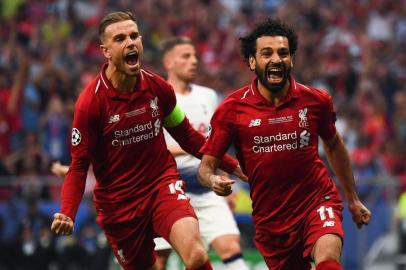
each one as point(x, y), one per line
point(49, 50)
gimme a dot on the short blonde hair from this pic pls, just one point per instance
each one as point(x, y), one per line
point(113, 18)
point(170, 43)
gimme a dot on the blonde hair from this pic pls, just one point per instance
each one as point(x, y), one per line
point(113, 18)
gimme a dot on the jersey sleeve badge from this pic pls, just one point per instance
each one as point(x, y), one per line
point(76, 137)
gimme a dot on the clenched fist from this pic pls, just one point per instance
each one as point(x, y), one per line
point(62, 224)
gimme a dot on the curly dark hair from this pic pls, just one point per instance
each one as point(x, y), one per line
point(268, 27)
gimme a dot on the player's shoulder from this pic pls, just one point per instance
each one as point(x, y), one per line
point(91, 92)
point(315, 93)
point(238, 95)
point(203, 91)
point(153, 79)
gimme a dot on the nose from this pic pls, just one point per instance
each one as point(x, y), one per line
point(275, 59)
point(130, 42)
point(194, 60)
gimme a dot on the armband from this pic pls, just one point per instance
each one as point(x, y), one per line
point(175, 117)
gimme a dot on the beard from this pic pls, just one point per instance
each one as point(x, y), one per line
point(273, 87)
point(187, 78)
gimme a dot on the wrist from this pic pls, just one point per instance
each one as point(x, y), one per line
point(212, 179)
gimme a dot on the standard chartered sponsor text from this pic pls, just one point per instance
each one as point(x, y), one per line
point(275, 143)
point(129, 136)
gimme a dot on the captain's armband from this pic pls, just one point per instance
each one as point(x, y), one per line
point(175, 117)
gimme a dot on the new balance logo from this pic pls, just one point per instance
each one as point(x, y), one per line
point(328, 224)
point(114, 118)
point(255, 123)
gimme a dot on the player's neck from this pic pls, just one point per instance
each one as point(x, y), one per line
point(120, 81)
point(274, 97)
point(180, 86)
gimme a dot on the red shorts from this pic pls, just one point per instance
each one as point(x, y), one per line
point(293, 249)
point(132, 240)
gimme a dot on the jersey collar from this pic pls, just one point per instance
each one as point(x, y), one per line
point(256, 97)
point(140, 86)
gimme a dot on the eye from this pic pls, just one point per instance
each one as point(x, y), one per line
point(119, 39)
point(134, 36)
point(185, 56)
point(284, 53)
point(266, 53)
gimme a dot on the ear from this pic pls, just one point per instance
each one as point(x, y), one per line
point(167, 61)
point(252, 62)
point(105, 51)
point(291, 62)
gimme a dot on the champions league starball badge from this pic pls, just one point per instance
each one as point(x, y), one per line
point(76, 137)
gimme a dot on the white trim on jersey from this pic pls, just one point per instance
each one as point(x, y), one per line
point(302, 85)
point(146, 72)
point(250, 89)
point(97, 86)
point(105, 84)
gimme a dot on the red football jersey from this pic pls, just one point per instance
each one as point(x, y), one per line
point(121, 135)
point(278, 150)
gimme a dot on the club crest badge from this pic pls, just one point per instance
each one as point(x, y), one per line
point(154, 107)
point(303, 118)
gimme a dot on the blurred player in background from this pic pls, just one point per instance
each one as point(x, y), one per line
point(274, 124)
point(216, 221)
point(117, 127)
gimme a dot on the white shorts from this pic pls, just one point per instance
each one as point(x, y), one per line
point(215, 219)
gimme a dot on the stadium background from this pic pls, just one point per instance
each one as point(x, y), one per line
point(49, 51)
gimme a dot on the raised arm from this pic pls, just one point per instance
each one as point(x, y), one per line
point(339, 160)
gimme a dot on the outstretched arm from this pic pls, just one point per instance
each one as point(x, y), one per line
point(340, 162)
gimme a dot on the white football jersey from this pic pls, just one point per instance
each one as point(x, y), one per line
point(199, 106)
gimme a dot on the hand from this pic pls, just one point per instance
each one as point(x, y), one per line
point(221, 185)
point(62, 224)
point(238, 172)
point(58, 169)
point(360, 214)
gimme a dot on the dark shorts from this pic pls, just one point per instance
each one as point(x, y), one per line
point(293, 250)
point(132, 240)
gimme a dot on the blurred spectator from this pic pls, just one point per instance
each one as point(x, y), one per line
point(400, 116)
point(55, 125)
point(37, 244)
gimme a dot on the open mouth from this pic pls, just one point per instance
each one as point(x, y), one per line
point(131, 58)
point(275, 74)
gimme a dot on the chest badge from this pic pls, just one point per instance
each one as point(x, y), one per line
point(303, 118)
point(154, 107)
